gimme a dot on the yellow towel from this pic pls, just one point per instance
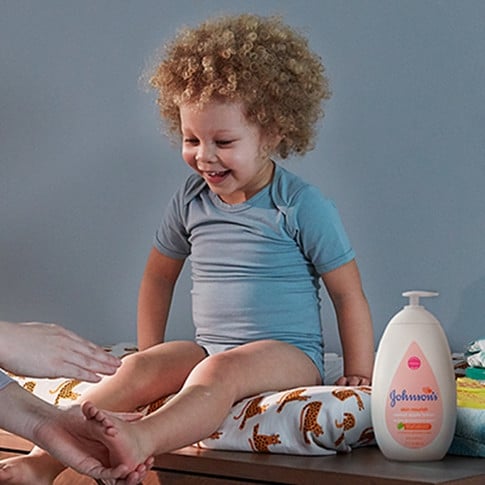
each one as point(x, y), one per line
point(470, 393)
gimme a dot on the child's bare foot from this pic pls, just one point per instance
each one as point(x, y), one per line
point(122, 441)
point(24, 470)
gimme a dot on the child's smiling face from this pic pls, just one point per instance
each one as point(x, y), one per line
point(225, 149)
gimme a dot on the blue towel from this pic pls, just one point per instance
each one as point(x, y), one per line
point(469, 439)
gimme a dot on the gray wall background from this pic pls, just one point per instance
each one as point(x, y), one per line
point(85, 171)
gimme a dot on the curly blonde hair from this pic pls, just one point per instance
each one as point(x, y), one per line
point(259, 61)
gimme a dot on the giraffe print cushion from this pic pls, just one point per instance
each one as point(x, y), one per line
point(317, 420)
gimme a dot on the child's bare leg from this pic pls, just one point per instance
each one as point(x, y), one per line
point(28, 469)
point(207, 396)
point(146, 376)
point(142, 378)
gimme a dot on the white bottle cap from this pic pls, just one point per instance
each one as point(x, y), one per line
point(415, 295)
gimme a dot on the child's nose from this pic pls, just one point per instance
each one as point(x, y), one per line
point(206, 154)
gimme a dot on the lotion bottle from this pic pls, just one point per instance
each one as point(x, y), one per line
point(413, 403)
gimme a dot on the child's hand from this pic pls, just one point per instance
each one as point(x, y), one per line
point(353, 381)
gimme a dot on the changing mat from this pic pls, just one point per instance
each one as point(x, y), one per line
point(316, 420)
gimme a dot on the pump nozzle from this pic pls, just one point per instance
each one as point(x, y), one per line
point(415, 295)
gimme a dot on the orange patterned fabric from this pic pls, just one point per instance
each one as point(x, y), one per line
point(317, 420)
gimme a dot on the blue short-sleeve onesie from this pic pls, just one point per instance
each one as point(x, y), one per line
point(256, 266)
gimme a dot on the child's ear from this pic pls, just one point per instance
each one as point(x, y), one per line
point(272, 141)
point(268, 147)
point(277, 139)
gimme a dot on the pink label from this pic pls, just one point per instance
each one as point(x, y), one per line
point(414, 410)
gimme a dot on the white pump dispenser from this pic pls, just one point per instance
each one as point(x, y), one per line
point(413, 402)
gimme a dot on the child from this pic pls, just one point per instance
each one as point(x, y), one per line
point(239, 90)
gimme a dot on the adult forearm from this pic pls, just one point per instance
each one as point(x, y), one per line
point(5, 329)
point(22, 411)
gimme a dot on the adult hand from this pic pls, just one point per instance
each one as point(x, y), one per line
point(65, 434)
point(49, 350)
point(74, 441)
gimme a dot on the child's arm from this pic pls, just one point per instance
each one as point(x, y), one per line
point(354, 321)
point(155, 297)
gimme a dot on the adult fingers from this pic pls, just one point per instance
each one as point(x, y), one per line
point(86, 360)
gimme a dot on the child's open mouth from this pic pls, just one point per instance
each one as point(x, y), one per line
point(217, 177)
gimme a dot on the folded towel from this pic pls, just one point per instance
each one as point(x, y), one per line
point(476, 346)
point(469, 439)
point(470, 393)
point(475, 353)
point(477, 359)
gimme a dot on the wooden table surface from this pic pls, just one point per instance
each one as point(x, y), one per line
point(361, 467)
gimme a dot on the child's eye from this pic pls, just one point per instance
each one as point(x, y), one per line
point(223, 143)
point(191, 141)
